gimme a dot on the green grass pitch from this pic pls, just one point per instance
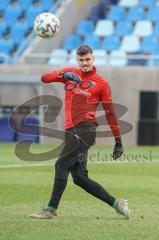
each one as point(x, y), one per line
point(25, 187)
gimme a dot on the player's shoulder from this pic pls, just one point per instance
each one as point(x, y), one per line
point(100, 79)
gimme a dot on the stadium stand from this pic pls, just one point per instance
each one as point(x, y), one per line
point(124, 28)
point(128, 26)
point(7, 134)
point(24, 127)
point(16, 23)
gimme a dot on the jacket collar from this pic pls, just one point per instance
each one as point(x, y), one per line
point(92, 71)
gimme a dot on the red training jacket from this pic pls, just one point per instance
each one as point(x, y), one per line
point(81, 100)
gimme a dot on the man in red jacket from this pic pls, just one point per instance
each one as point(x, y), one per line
point(84, 90)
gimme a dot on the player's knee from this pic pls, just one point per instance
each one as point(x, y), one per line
point(79, 180)
point(76, 181)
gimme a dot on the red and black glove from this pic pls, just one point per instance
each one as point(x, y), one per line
point(118, 149)
point(70, 76)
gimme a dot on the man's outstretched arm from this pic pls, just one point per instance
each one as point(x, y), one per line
point(62, 75)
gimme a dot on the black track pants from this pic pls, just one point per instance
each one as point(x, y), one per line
point(73, 159)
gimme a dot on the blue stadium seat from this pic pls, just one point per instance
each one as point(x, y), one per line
point(153, 14)
point(98, 12)
point(130, 43)
point(93, 41)
point(104, 28)
point(116, 13)
point(101, 62)
point(136, 13)
point(155, 52)
point(118, 58)
point(32, 13)
point(111, 43)
point(124, 28)
point(100, 57)
point(155, 62)
point(11, 15)
point(47, 5)
point(6, 45)
point(72, 42)
point(99, 53)
point(72, 61)
point(25, 4)
point(4, 4)
point(2, 28)
point(59, 52)
point(35, 134)
point(149, 44)
point(58, 61)
point(128, 3)
point(6, 133)
point(72, 58)
point(85, 27)
point(58, 57)
point(143, 28)
point(147, 3)
point(18, 32)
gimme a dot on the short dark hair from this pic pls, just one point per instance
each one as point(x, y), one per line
point(84, 49)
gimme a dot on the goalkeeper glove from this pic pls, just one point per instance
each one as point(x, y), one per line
point(118, 149)
point(70, 76)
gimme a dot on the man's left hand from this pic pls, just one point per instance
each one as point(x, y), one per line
point(118, 150)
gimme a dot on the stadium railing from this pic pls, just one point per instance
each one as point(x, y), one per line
point(139, 59)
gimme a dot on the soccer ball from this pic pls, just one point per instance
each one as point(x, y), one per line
point(46, 25)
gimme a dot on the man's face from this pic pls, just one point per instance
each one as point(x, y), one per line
point(85, 62)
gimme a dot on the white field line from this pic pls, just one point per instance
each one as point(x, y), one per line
point(19, 165)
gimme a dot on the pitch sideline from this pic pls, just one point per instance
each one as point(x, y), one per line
point(52, 164)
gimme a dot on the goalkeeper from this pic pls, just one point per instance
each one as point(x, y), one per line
point(84, 90)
